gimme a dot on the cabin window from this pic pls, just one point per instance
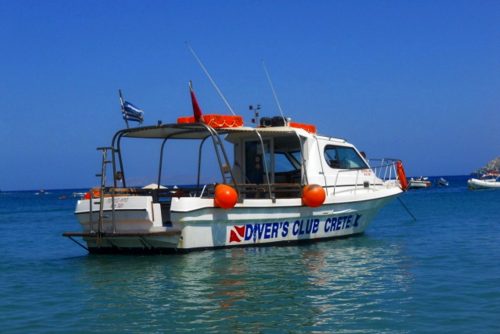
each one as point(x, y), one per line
point(287, 167)
point(341, 157)
point(286, 162)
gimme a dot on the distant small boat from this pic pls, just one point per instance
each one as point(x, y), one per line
point(443, 182)
point(485, 182)
point(419, 182)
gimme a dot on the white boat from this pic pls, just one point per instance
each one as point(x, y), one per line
point(485, 182)
point(420, 182)
point(285, 184)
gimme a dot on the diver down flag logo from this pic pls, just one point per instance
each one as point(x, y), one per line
point(237, 233)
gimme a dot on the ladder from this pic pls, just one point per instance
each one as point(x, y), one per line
point(222, 158)
point(102, 175)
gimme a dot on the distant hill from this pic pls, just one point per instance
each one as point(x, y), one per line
point(492, 166)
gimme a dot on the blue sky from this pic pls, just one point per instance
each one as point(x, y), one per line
point(416, 80)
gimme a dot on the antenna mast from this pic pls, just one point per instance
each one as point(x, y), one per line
point(210, 78)
point(274, 92)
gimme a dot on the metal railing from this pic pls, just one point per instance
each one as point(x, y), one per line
point(382, 170)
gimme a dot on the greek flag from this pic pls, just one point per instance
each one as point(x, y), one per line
point(132, 113)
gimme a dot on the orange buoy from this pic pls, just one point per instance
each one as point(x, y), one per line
point(92, 193)
point(401, 175)
point(225, 196)
point(313, 195)
point(96, 192)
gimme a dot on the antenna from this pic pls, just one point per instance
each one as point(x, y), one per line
point(274, 92)
point(256, 111)
point(210, 78)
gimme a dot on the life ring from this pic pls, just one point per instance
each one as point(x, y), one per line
point(401, 175)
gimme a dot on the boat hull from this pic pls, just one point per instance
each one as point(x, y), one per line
point(295, 224)
point(419, 184)
point(483, 184)
point(248, 224)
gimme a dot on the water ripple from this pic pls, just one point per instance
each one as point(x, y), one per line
point(434, 275)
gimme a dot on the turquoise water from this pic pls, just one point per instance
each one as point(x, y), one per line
point(438, 274)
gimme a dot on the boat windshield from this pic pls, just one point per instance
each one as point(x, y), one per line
point(341, 157)
point(287, 161)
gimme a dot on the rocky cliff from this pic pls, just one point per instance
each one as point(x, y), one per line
point(492, 166)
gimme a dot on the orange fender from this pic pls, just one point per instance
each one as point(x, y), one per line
point(313, 195)
point(225, 196)
point(401, 175)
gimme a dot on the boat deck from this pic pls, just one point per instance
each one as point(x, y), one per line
point(122, 234)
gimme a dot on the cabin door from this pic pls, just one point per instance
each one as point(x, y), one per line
point(254, 161)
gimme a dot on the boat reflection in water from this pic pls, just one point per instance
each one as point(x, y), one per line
point(315, 286)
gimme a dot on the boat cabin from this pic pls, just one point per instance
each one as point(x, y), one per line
point(266, 162)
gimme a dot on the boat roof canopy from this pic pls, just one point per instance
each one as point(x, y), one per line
point(180, 131)
point(199, 131)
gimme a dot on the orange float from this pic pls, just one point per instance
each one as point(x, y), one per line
point(92, 193)
point(401, 175)
point(308, 127)
point(214, 120)
point(313, 195)
point(225, 196)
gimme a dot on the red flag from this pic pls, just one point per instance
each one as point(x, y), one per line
point(196, 108)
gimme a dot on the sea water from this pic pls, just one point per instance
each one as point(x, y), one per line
point(437, 274)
